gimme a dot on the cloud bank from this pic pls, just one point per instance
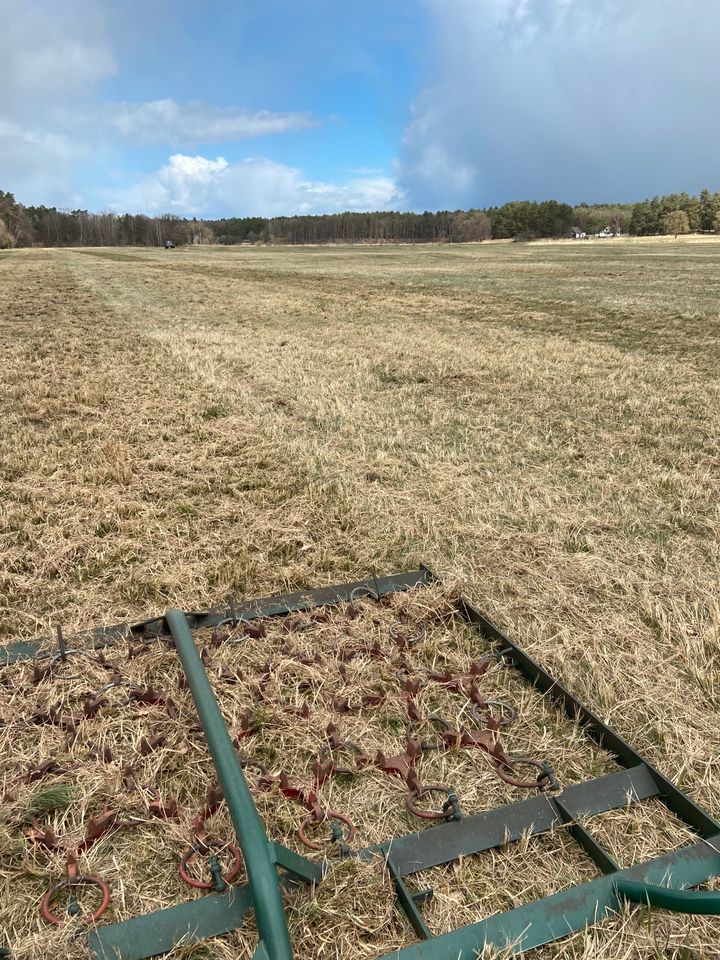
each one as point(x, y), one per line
point(571, 99)
point(597, 100)
point(199, 186)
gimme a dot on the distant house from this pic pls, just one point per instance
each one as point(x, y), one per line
point(605, 232)
point(577, 234)
point(169, 244)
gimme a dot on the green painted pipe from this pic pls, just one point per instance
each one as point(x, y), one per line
point(666, 898)
point(256, 849)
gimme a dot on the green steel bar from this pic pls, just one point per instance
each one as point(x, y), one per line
point(275, 606)
point(535, 924)
point(255, 846)
point(666, 898)
point(409, 905)
point(299, 867)
point(154, 934)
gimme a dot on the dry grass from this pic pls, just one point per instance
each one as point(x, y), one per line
point(539, 422)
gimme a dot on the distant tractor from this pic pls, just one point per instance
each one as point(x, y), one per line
point(169, 244)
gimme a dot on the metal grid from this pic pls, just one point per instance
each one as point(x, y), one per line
point(661, 882)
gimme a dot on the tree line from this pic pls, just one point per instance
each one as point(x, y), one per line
point(22, 226)
point(651, 216)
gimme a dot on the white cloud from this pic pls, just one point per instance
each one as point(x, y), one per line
point(56, 128)
point(198, 186)
point(165, 121)
point(576, 99)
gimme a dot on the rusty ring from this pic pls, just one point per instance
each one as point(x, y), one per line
point(329, 815)
point(211, 844)
point(345, 745)
point(250, 764)
point(439, 744)
point(508, 713)
point(524, 784)
point(427, 814)
point(78, 881)
point(412, 638)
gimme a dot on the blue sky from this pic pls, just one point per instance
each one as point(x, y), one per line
point(300, 106)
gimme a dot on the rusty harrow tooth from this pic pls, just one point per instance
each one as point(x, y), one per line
point(149, 745)
point(95, 753)
point(148, 696)
point(303, 711)
point(163, 809)
point(45, 838)
point(43, 769)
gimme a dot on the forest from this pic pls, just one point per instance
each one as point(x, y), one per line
point(23, 226)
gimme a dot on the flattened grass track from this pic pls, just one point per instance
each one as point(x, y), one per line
point(539, 421)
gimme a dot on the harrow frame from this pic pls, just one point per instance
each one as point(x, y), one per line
point(661, 882)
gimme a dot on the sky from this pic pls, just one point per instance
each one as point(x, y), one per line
point(214, 108)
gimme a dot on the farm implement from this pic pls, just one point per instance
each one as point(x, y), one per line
point(307, 680)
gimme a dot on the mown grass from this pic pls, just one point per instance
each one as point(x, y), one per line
point(539, 421)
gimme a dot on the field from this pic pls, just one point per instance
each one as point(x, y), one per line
point(539, 423)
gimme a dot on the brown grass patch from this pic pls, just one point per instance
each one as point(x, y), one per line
point(538, 422)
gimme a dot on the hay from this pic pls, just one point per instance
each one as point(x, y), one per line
point(541, 423)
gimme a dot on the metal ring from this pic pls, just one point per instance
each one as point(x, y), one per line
point(412, 638)
point(431, 718)
point(329, 815)
point(524, 784)
point(250, 764)
point(78, 881)
point(508, 713)
point(62, 657)
point(427, 814)
point(234, 622)
point(505, 656)
point(211, 844)
point(359, 592)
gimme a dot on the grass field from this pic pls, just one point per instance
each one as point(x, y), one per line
point(539, 422)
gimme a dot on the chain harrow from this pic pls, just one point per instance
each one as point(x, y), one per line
point(488, 716)
point(423, 732)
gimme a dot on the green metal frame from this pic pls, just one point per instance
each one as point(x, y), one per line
point(662, 882)
point(260, 861)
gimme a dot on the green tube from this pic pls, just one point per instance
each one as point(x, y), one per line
point(262, 875)
point(666, 898)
